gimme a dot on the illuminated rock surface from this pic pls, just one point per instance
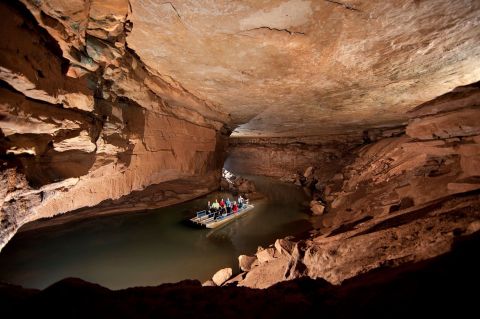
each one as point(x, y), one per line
point(126, 105)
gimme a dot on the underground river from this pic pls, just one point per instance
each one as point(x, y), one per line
point(152, 247)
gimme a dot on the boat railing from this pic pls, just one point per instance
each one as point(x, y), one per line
point(232, 212)
point(206, 216)
point(201, 213)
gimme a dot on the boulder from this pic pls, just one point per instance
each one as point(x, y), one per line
point(222, 276)
point(284, 247)
point(317, 208)
point(266, 275)
point(266, 255)
point(209, 283)
point(247, 262)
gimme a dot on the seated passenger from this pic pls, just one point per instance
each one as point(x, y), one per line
point(235, 207)
point(216, 205)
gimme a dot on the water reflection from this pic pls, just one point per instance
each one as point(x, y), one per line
point(152, 247)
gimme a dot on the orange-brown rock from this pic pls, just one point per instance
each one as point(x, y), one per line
point(222, 276)
point(71, 143)
point(404, 237)
point(402, 200)
point(306, 68)
point(417, 168)
point(317, 207)
point(246, 262)
point(127, 104)
point(283, 157)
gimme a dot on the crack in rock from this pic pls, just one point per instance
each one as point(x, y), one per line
point(174, 9)
point(345, 5)
point(275, 29)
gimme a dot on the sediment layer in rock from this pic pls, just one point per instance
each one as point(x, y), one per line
point(402, 200)
point(83, 122)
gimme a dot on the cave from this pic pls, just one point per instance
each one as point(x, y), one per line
point(347, 131)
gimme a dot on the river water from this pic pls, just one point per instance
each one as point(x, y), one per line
point(152, 247)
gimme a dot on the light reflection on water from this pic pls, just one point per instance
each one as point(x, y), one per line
point(153, 247)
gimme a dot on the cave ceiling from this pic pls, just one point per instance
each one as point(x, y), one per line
point(302, 67)
point(277, 67)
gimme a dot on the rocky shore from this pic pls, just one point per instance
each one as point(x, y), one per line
point(403, 199)
point(441, 286)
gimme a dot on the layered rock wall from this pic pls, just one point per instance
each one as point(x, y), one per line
point(83, 122)
point(283, 157)
point(402, 200)
point(437, 157)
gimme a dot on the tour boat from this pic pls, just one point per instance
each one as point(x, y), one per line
point(206, 219)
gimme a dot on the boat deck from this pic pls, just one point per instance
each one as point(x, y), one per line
point(205, 219)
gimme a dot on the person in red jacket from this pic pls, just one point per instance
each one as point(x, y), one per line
point(235, 208)
point(222, 206)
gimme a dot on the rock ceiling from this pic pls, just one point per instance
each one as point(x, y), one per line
point(297, 67)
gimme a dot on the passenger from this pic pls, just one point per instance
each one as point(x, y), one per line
point(222, 206)
point(235, 207)
point(228, 204)
point(216, 205)
point(240, 201)
point(209, 206)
